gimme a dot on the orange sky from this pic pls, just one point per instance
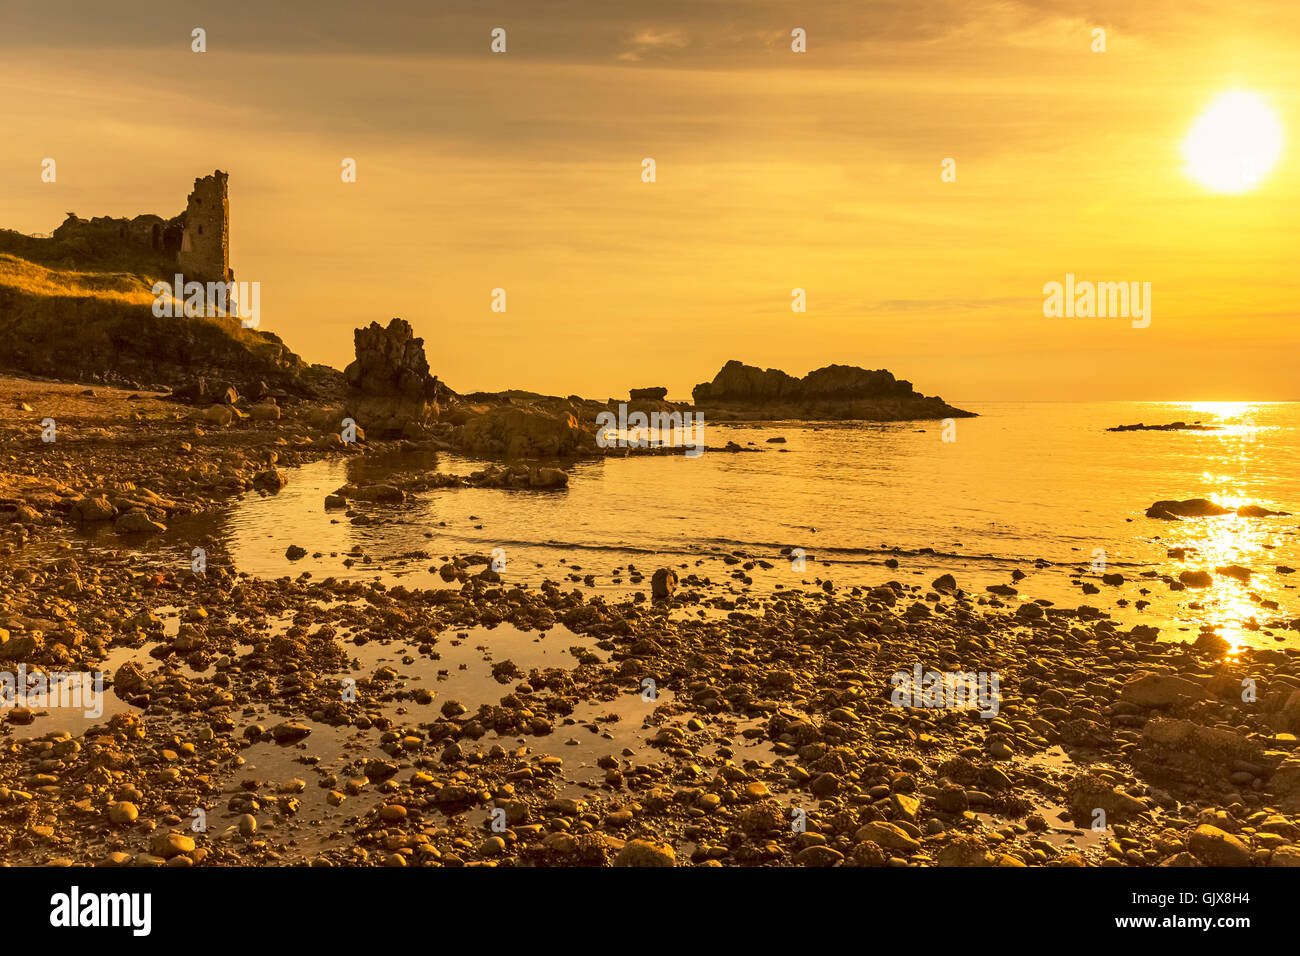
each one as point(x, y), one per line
point(775, 170)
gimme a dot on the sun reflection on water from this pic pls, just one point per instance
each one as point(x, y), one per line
point(1223, 409)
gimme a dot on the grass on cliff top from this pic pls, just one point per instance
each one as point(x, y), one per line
point(83, 254)
point(36, 280)
point(36, 291)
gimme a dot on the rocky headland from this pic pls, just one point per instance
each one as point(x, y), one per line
point(837, 392)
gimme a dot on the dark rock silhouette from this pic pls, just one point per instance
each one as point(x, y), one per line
point(1190, 508)
point(391, 389)
point(836, 391)
point(391, 361)
point(1170, 427)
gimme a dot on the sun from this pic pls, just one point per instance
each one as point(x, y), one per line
point(1234, 144)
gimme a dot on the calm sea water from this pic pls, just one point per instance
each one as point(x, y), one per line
point(1019, 483)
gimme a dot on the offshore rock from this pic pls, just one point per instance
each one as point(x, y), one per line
point(834, 392)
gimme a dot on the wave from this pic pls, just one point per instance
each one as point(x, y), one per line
point(718, 547)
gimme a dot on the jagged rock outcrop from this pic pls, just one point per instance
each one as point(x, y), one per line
point(390, 389)
point(657, 394)
point(391, 361)
point(836, 391)
point(738, 382)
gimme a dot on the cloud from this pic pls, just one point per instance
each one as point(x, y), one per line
point(650, 40)
point(726, 33)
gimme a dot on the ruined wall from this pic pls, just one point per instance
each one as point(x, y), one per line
point(205, 246)
point(104, 230)
point(196, 243)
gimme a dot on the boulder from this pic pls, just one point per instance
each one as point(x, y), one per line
point(1285, 856)
point(377, 493)
point(963, 850)
point(290, 732)
point(645, 853)
point(817, 856)
point(889, 836)
point(169, 844)
point(522, 432)
point(391, 416)
point(1188, 508)
point(1090, 792)
point(1217, 746)
point(663, 584)
point(1285, 782)
point(1215, 847)
point(129, 681)
point(547, 478)
point(138, 521)
point(89, 510)
point(657, 394)
point(219, 415)
point(271, 480)
point(1210, 643)
point(21, 648)
point(1160, 690)
point(1255, 511)
point(328, 418)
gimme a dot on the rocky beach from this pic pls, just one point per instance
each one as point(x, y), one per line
point(657, 714)
point(543, 445)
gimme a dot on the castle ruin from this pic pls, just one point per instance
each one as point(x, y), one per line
point(205, 242)
point(197, 242)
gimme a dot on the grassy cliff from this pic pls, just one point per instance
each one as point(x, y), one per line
point(99, 326)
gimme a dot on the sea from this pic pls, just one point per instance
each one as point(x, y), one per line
point(1040, 488)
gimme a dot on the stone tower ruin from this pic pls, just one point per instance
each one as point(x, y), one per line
point(205, 245)
point(196, 242)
